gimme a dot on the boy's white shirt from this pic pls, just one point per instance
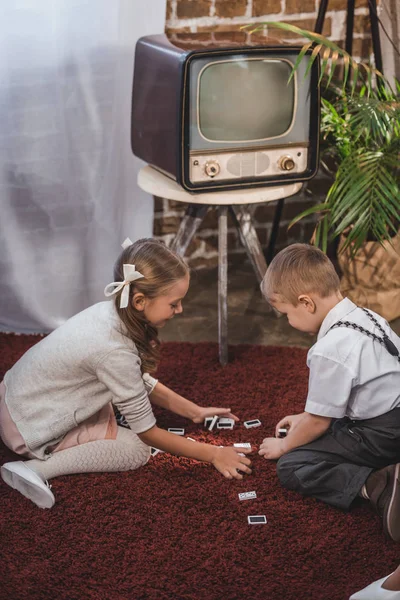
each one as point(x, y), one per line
point(352, 374)
point(72, 373)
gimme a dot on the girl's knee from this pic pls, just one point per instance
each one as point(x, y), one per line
point(140, 454)
point(136, 452)
point(146, 452)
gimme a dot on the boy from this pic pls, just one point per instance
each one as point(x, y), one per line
point(347, 441)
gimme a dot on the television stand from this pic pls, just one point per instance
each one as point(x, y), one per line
point(154, 182)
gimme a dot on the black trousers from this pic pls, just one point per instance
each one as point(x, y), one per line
point(334, 467)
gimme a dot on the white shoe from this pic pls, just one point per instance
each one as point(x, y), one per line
point(20, 477)
point(375, 591)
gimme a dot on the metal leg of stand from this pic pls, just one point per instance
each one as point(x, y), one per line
point(376, 42)
point(190, 223)
point(223, 284)
point(249, 239)
point(275, 230)
point(321, 16)
point(373, 19)
point(349, 26)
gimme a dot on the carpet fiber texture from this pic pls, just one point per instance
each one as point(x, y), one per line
point(175, 529)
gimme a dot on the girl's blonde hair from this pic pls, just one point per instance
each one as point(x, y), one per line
point(300, 269)
point(161, 268)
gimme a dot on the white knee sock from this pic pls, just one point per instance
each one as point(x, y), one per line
point(125, 453)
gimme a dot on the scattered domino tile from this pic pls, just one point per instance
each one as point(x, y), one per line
point(155, 451)
point(176, 430)
point(121, 420)
point(225, 423)
point(253, 423)
point(256, 519)
point(247, 496)
point(221, 422)
point(213, 421)
point(242, 445)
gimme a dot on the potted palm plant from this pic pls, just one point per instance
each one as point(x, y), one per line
point(360, 151)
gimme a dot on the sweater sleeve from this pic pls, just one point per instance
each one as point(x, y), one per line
point(149, 382)
point(120, 372)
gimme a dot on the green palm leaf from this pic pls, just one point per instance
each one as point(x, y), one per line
point(364, 74)
point(360, 132)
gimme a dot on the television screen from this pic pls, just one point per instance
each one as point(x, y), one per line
point(245, 100)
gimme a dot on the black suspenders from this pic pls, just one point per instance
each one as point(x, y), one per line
point(384, 340)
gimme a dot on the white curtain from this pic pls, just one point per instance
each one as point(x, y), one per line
point(68, 191)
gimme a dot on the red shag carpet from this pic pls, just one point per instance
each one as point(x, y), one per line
point(175, 529)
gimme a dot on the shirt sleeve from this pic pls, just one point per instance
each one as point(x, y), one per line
point(329, 387)
point(120, 372)
point(149, 382)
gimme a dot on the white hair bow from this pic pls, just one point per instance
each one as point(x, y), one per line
point(126, 243)
point(130, 274)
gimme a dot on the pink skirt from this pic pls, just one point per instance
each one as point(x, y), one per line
point(101, 426)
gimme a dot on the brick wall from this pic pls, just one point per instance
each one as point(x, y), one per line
point(211, 19)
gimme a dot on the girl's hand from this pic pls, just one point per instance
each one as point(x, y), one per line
point(272, 448)
point(289, 422)
point(229, 462)
point(203, 413)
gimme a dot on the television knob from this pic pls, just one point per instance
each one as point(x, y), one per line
point(212, 168)
point(286, 163)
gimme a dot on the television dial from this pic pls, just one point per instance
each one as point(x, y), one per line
point(212, 168)
point(286, 163)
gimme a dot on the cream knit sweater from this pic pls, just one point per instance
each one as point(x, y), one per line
point(72, 373)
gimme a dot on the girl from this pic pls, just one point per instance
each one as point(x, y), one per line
point(57, 402)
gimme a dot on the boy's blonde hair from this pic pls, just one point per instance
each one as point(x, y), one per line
point(300, 269)
point(161, 268)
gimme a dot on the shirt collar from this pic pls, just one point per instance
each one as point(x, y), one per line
point(338, 312)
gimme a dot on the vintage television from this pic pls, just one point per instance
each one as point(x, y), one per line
point(225, 117)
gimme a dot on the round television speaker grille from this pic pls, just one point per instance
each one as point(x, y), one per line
point(262, 162)
point(234, 165)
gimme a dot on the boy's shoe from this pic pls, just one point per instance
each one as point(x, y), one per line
point(20, 477)
point(375, 591)
point(383, 489)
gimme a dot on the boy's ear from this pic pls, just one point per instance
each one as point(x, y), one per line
point(138, 301)
point(307, 302)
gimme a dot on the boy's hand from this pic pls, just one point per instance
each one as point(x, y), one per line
point(203, 413)
point(272, 448)
point(289, 422)
point(229, 462)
